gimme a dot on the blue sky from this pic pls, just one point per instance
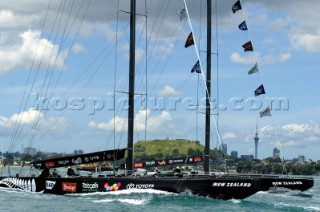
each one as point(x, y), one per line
point(69, 53)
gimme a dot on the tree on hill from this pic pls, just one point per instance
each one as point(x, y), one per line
point(192, 152)
point(175, 153)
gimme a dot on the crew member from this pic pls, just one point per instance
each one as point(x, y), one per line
point(71, 172)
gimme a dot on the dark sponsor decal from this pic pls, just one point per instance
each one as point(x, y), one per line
point(161, 162)
point(90, 187)
point(175, 161)
point(50, 164)
point(139, 186)
point(82, 159)
point(77, 161)
point(69, 187)
point(281, 183)
point(197, 159)
point(150, 163)
point(63, 162)
point(138, 164)
point(50, 184)
point(229, 184)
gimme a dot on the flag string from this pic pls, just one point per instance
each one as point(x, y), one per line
point(266, 111)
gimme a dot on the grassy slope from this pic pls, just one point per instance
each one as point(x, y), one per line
point(165, 147)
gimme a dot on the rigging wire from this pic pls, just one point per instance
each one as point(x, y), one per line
point(159, 76)
point(48, 78)
point(202, 74)
point(14, 138)
point(87, 68)
point(115, 81)
point(158, 12)
point(18, 121)
point(260, 78)
point(146, 82)
point(42, 118)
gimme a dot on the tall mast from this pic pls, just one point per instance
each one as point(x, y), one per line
point(208, 93)
point(131, 84)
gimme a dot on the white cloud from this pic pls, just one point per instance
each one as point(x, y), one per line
point(300, 135)
point(237, 58)
point(168, 91)
point(279, 24)
point(268, 59)
point(22, 54)
point(27, 119)
point(140, 53)
point(304, 33)
point(9, 20)
point(306, 41)
point(78, 48)
point(229, 136)
point(157, 124)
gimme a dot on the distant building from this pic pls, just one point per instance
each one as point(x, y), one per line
point(2, 159)
point(49, 154)
point(276, 153)
point(301, 158)
point(234, 154)
point(30, 151)
point(78, 152)
point(224, 149)
point(247, 157)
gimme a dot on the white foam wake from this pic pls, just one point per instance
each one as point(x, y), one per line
point(126, 192)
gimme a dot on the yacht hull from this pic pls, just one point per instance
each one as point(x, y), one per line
point(208, 186)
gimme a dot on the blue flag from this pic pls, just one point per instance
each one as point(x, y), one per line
point(243, 26)
point(259, 90)
point(196, 68)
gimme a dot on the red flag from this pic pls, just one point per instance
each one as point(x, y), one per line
point(248, 46)
point(189, 41)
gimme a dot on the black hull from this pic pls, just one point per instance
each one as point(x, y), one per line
point(222, 187)
point(94, 169)
point(268, 182)
point(291, 183)
point(213, 187)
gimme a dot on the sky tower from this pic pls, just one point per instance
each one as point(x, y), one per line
point(256, 141)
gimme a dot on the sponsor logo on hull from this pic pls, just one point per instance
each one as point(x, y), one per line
point(50, 164)
point(139, 186)
point(50, 184)
point(138, 164)
point(112, 186)
point(282, 183)
point(233, 184)
point(91, 187)
point(69, 187)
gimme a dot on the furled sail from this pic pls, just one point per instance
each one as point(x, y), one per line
point(109, 155)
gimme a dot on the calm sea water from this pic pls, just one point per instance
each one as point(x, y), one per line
point(151, 200)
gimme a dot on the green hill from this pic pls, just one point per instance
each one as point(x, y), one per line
point(160, 149)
